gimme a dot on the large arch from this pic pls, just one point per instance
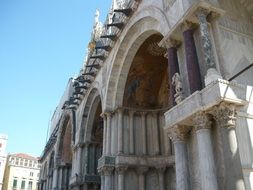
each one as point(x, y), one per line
point(150, 20)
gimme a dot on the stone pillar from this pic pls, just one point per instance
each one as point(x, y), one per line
point(191, 57)
point(144, 133)
point(178, 135)
point(212, 73)
point(173, 68)
point(131, 132)
point(225, 116)
point(155, 134)
point(120, 171)
point(60, 177)
point(108, 134)
point(120, 131)
point(108, 177)
point(104, 133)
point(161, 171)
point(55, 178)
point(141, 172)
point(205, 152)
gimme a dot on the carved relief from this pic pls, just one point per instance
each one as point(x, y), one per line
point(202, 120)
point(177, 82)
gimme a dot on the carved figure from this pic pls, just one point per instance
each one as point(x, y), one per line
point(177, 82)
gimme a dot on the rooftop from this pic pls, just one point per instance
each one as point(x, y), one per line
point(24, 156)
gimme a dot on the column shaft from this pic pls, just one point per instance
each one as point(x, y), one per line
point(120, 131)
point(182, 171)
point(104, 134)
point(161, 179)
point(131, 132)
point(192, 61)
point(108, 182)
point(156, 135)
point(206, 160)
point(144, 134)
point(108, 138)
point(55, 176)
point(141, 182)
point(121, 181)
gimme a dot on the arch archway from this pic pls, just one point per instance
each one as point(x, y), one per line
point(93, 139)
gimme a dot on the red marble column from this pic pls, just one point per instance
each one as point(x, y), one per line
point(192, 61)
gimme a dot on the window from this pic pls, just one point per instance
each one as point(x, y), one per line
point(30, 185)
point(31, 174)
point(21, 162)
point(26, 162)
point(15, 182)
point(23, 184)
point(30, 163)
point(17, 160)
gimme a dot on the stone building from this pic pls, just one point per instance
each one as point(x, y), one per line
point(163, 102)
point(21, 173)
point(3, 156)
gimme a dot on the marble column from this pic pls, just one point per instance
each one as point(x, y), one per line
point(225, 116)
point(104, 133)
point(172, 68)
point(161, 171)
point(131, 132)
point(144, 133)
point(108, 177)
point(212, 73)
point(156, 135)
point(120, 171)
point(205, 152)
point(55, 178)
point(108, 134)
point(178, 135)
point(191, 58)
point(141, 172)
point(120, 131)
point(60, 179)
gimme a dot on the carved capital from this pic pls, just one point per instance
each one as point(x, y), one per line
point(225, 115)
point(202, 120)
point(202, 12)
point(169, 43)
point(187, 25)
point(142, 170)
point(107, 170)
point(178, 133)
point(121, 169)
point(161, 169)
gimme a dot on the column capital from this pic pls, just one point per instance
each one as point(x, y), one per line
point(107, 170)
point(225, 115)
point(202, 120)
point(142, 170)
point(161, 169)
point(121, 169)
point(170, 43)
point(202, 12)
point(188, 25)
point(178, 133)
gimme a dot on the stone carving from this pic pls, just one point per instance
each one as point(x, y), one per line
point(121, 169)
point(177, 82)
point(168, 3)
point(178, 133)
point(225, 115)
point(120, 4)
point(202, 120)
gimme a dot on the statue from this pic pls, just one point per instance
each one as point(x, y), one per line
point(177, 82)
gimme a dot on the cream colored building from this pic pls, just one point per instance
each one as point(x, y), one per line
point(22, 172)
point(3, 155)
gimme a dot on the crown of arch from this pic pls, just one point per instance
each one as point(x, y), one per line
point(142, 27)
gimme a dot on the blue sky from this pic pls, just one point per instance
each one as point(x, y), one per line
point(42, 45)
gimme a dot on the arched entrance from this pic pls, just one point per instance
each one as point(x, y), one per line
point(93, 141)
point(64, 157)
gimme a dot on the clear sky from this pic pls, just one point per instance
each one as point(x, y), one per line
point(42, 44)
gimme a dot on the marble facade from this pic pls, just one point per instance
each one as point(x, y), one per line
point(123, 125)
